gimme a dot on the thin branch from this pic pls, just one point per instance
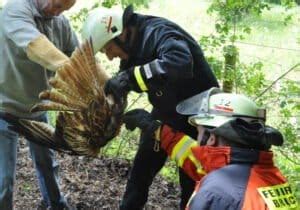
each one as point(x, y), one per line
point(288, 158)
point(268, 46)
point(134, 102)
point(279, 78)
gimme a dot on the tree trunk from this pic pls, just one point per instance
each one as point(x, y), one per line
point(231, 57)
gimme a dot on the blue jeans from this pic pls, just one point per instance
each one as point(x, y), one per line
point(44, 163)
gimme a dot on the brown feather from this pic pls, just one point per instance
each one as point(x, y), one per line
point(57, 97)
point(87, 119)
point(51, 106)
point(64, 89)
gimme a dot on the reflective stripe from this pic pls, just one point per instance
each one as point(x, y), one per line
point(198, 165)
point(139, 79)
point(190, 200)
point(279, 197)
point(147, 70)
point(183, 149)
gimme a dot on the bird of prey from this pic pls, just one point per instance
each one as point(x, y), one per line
point(87, 119)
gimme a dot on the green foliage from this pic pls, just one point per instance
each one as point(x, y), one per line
point(216, 65)
point(26, 187)
point(230, 15)
point(281, 102)
point(230, 12)
point(274, 1)
point(212, 43)
point(109, 3)
point(288, 99)
point(52, 117)
point(124, 145)
point(250, 78)
point(124, 3)
point(284, 2)
point(170, 171)
point(289, 3)
point(135, 3)
point(77, 19)
point(283, 108)
point(290, 170)
point(231, 58)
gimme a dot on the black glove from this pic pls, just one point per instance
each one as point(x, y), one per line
point(118, 86)
point(139, 118)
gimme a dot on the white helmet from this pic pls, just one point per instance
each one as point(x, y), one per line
point(101, 26)
point(214, 108)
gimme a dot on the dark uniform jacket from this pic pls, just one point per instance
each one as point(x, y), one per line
point(172, 67)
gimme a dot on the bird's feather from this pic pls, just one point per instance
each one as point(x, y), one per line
point(87, 118)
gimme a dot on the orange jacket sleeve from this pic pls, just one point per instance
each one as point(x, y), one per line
point(180, 148)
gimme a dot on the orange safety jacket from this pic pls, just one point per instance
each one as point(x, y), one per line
point(229, 177)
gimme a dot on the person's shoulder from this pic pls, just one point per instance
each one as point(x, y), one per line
point(215, 181)
point(218, 190)
point(210, 199)
point(156, 26)
point(15, 6)
point(152, 21)
point(230, 180)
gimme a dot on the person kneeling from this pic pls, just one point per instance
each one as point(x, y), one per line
point(231, 158)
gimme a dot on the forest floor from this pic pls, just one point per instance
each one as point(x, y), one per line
point(88, 183)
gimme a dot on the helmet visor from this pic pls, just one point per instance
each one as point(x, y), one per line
point(196, 104)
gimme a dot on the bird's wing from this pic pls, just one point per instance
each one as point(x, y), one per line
point(38, 132)
point(85, 114)
point(76, 84)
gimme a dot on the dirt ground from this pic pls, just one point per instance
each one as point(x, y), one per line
point(88, 183)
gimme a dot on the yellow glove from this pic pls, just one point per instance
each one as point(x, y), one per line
point(43, 52)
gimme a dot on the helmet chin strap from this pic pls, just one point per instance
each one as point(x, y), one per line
point(121, 44)
point(125, 46)
point(204, 138)
point(127, 22)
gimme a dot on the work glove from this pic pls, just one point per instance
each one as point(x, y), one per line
point(44, 52)
point(139, 118)
point(118, 86)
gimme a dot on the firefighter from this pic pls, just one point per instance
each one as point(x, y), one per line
point(231, 158)
point(160, 58)
point(35, 40)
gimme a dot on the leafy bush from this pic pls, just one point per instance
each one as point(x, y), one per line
point(283, 2)
point(274, 1)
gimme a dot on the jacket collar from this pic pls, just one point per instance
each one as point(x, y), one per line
point(137, 32)
point(213, 158)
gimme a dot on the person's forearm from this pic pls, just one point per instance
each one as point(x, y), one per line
point(179, 147)
point(43, 52)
